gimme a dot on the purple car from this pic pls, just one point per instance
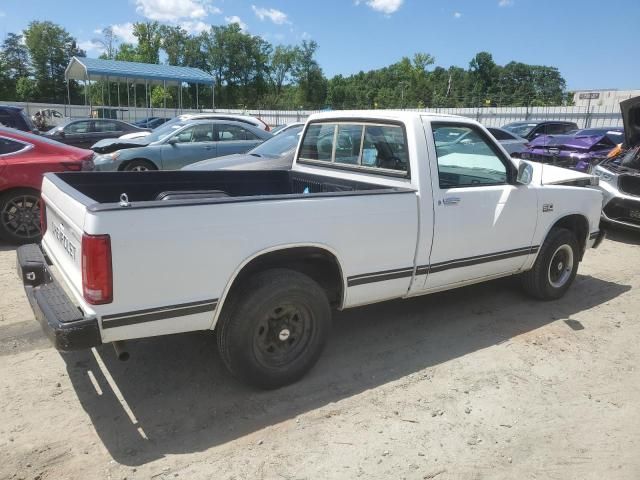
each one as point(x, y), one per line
point(577, 152)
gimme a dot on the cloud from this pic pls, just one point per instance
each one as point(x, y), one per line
point(238, 20)
point(91, 46)
point(457, 15)
point(175, 10)
point(124, 32)
point(384, 6)
point(276, 16)
point(505, 3)
point(195, 27)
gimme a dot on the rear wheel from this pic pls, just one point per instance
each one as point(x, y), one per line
point(20, 216)
point(273, 329)
point(555, 268)
point(139, 165)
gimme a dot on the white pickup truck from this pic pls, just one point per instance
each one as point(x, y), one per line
point(379, 205)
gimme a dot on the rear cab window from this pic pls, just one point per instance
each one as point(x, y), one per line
point(373, 147)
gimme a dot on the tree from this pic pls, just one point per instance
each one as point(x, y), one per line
point(281, 67)
point(312, 86)
point(149, 41)
point(108, 42)
point(174, 41)
point(26, 89)
point(15, 56)
point(50, 49)
point(159, 96)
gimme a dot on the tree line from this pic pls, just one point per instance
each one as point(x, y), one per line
point(250, 72)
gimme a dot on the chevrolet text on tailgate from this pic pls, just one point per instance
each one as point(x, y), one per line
point(379, 205)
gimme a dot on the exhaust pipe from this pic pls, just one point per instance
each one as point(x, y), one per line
point(121, 351)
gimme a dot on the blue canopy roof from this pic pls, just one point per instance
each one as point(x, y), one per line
point(84, 68)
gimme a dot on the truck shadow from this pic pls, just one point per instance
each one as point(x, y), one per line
point(178, 398)
point(628, 236)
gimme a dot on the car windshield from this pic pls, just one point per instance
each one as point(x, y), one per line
point(163, 131)
point(279, 145)
point(520, 129)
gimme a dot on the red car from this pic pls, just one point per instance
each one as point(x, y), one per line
point(24, 158)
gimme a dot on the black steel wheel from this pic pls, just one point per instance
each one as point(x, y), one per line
point(273, 328)
point(20, 216)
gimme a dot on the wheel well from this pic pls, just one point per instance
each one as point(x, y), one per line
point(317, 263)
point(579, 225)
point(13, 189)
point(127, 162)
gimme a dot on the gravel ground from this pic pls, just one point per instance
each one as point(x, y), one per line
point(476, 383)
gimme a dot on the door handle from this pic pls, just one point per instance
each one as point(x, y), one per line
point(451, 201)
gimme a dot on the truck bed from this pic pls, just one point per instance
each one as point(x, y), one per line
point(103, 190)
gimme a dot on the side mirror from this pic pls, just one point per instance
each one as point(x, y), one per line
point(61, 134)
point(525, 173)
point(172, 141)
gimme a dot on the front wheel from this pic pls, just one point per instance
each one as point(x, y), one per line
point(139, 165)
point(20, 216)
point(273, 328)
point(555, 268)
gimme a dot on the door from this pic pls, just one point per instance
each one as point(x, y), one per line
point(235, 139)
point(483, 220)
point(79, 134)
point(189, 145)
point(106, 129)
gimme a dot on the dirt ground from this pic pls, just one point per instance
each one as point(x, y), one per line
point(477, 383)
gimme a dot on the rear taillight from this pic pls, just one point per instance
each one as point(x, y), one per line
point(97, 275)
point(43, 217)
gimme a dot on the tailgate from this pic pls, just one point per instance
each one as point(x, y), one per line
point(65, 216)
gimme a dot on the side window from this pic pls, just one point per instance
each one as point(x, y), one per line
point(232, 132)
point(318, 142)
point(554, 129)
point(7, 120)
point(384, 146)
point(78, 127)
point(10, 146)
point(468, 161)
point(203, 133)
point(107, 127)
point(185, 135)
point(348, 143)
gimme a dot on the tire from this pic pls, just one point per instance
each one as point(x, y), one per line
point(274, 328)
point(20, 216)
point(555, 268)
point(139, 165)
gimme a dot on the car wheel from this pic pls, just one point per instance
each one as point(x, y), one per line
point(20, 216)
point(273, 329)
point(555, 268)
point(139, 165)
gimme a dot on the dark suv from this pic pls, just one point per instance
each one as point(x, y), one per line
point(14, 117)
point(534, 128)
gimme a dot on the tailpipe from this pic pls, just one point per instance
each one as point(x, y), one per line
point(121, 351)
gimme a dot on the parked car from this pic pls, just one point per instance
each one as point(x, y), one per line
point(245, 119)
point(175, 145)
point(511, 142)
point(620, 174)
point(47, 118)
point(24, 158)
point(14, 117)
point(275, 153)
point(151, 122)
point(263, 256)
point(577, 152)
point(86, 132)
point(533, 129)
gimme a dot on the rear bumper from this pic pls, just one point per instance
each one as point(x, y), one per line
point(60, 319)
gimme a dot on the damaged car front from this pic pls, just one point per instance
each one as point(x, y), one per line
point(620, 173)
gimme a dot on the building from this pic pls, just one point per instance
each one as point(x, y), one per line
point(602, 98)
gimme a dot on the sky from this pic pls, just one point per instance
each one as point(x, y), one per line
point(591, 42)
